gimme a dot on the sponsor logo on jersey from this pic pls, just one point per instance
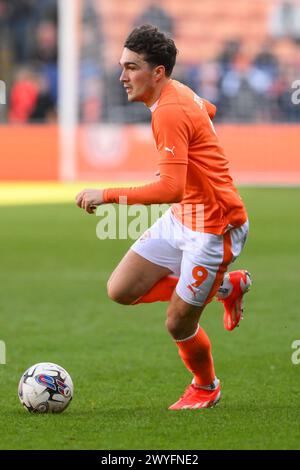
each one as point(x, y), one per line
point(167, 149)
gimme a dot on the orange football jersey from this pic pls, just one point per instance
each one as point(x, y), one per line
point(193, 167)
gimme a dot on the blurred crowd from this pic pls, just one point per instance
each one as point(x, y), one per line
point(246, 87)
point(28, 58)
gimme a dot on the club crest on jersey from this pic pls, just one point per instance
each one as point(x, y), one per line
point(167, 149)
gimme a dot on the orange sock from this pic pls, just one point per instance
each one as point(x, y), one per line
point(196, 355)
point(161, 291)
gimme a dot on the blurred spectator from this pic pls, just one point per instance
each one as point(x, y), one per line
point(266, 60)
point(30, 99)
point(157, 16)
point(23, 96)
point(44, 106)
point(45, 54)
point(245, 90)
point(288, 111)
point(205, 80)
point(46, 10)
point(6, 53)
point(91, 106)
point(46, 42)
point(285, 20)
point(230, 51)
point(27, 37)
point(20, 17)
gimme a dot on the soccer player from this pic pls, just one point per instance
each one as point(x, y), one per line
point(184, 256)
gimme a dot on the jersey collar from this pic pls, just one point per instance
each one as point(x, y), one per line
point(154, 106)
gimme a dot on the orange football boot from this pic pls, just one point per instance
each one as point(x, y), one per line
point(195, 398)
point(235, 284)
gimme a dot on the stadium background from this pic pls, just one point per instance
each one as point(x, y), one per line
point(244, 56)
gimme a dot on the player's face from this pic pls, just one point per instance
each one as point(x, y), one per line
point(137, 77)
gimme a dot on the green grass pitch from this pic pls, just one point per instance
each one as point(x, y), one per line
point(125, 368)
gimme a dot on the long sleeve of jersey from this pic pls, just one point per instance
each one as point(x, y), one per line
point(171, 135)
point(168, 189)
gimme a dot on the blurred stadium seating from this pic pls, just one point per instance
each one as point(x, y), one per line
point(243, 55)
point(229, 51)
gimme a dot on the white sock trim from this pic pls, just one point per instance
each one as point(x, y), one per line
point(211, 386)
point(190, 337)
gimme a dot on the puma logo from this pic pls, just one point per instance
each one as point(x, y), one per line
point(192, 290)
point(170, 150)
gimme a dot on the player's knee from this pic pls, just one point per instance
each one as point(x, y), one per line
point(118, 295)
point(174, 327)
point(180, 324)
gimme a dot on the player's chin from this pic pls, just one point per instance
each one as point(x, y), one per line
point(131, 97)
point(134, 97)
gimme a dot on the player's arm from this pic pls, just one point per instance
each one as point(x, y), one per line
point(172, 134)
point(168, 189)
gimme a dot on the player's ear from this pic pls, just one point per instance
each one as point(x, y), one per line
point(159, 72)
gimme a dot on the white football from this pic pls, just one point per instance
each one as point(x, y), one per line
point(46, 388)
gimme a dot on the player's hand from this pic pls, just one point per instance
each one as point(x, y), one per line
point(89, 199)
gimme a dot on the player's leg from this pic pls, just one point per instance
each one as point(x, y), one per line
point(194, 348)
point(162, 291)
point(204, 262)
point(148, 268)
point(230, 290)
point(133, 277)
point(235, 283)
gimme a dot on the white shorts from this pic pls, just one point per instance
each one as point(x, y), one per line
point(200, 260)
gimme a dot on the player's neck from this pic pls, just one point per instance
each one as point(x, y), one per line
point(156, 95)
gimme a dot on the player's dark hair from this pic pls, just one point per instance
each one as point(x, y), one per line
point(156, 47)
